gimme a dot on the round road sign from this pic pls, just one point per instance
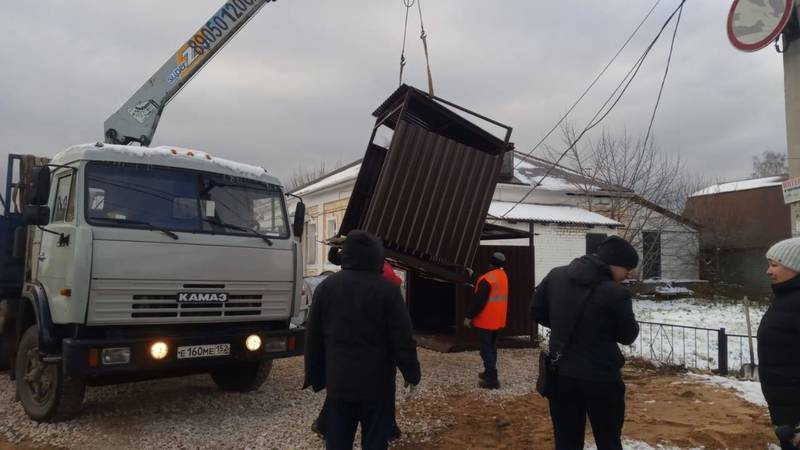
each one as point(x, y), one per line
point(753, 24)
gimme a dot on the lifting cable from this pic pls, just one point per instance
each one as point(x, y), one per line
point(626, 81)
point(423, 36)
point(408, 4)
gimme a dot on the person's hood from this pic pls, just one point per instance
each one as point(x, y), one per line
point(362, 251)
point(588, 269)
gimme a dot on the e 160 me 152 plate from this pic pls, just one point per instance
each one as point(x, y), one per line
point(203, 351)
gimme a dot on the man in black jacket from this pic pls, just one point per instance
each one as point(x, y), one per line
point(589, 313)
point(359, 331)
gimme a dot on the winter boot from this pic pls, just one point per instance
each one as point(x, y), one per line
point(489, 383)
point(482, 375)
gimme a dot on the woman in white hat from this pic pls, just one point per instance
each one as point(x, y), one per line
point(779, 343)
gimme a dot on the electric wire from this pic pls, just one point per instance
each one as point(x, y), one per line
point(626, 81)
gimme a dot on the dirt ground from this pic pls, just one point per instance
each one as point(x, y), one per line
point(662, 409)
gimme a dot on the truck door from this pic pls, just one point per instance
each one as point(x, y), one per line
point(57, 250)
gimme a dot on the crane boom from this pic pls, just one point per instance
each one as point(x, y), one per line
point(137, 119)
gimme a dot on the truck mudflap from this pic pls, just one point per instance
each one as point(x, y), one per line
point(115, 360)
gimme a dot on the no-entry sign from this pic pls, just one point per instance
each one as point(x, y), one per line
point(753, 24)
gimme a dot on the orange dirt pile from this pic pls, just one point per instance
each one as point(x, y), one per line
point(662, 408)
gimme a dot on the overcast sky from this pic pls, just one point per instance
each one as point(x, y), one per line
point(296, 87)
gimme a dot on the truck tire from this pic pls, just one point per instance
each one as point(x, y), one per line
point(242, 377)
point(46, 394)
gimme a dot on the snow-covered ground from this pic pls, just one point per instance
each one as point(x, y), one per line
point(698, 345)
point(686, 331)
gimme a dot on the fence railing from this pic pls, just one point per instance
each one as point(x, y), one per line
point(693, 347)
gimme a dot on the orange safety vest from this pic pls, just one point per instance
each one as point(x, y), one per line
point(493, 315)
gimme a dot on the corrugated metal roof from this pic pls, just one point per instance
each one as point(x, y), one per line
point(550, 213)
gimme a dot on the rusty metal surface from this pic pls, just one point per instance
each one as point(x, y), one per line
point(427, 195)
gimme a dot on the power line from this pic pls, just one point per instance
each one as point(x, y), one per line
point(596, 79)
point(627, 80)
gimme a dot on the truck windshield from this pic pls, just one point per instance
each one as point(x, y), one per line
point(183, 200)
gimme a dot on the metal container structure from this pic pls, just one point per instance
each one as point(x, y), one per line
point(426, 195)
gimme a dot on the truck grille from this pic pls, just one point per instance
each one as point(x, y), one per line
point(168, 306)
point(156, 301)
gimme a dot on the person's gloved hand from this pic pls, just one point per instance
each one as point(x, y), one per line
point(410, 390)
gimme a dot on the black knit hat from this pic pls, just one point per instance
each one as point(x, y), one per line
point(497, 259)
point(616, 251)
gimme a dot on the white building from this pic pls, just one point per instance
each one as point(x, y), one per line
point(566, 213)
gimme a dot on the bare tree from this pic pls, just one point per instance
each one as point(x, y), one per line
point(640, 181)
point(306, 174)
point(769, 164)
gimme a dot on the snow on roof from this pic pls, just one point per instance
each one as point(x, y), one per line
point(164, 156)
point(342, 176)
point(531, 171)
point(741, 185)
point(549, 213)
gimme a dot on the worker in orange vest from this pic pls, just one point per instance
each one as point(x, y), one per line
point(487, 314)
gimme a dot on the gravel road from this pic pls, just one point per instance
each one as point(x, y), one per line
point(191, 413)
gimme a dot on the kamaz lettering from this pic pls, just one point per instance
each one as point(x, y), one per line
point(202, 297)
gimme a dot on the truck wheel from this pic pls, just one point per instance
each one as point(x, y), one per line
point(46, 394)
point(243, 377)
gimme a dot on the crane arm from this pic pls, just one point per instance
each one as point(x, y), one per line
point(137, 119)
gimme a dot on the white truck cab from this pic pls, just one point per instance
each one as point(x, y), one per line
point(149, 262)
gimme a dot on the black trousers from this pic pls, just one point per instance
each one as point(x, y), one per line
point(488, 351)
point(603, 402)
point(342, 418)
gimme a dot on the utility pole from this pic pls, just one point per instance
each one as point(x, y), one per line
point(791, 87)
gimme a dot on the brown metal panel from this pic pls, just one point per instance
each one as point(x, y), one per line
point(433, 215)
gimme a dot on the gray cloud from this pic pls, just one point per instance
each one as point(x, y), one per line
point(296, 87)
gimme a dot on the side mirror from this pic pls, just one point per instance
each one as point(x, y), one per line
point(39, 186)
point(35, 215)
point(299, 220)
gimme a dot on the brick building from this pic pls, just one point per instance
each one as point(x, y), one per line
point(740, 220)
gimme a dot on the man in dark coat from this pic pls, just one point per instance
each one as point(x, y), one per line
point(779, 342)
point(359, 332)
point(589, 379)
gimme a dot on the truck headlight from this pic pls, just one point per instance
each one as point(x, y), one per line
point(159, 350)
point(253, 342)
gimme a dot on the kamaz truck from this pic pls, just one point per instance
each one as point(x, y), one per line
point(125, 262)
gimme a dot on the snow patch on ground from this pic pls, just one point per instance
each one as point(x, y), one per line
point(748, 390)
point(630, 444)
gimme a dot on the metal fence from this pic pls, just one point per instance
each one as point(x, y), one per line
point(687, 346)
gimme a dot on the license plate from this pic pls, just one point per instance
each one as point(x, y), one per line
point(204, 351)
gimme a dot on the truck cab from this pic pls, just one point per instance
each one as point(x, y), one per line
point(141, 263)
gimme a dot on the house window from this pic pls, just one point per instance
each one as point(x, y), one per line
point(331, 226)
point(593, 240)
point(64, 206)
point(651, 254)
point(311, 249)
